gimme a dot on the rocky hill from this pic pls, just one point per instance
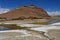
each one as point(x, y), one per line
point(25, 12)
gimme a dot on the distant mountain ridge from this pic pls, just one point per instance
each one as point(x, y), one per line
point(26, 12)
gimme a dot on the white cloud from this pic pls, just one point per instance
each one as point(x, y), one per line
point(54, 13)
point(4, 10)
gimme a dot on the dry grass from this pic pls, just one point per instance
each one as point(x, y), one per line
point(12, 26)
point(43, 23)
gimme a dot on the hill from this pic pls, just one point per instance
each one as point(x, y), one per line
point(25, 12)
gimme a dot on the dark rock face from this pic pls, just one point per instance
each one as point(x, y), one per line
point(26, 12)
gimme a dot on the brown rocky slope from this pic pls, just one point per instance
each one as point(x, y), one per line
point(26, 12)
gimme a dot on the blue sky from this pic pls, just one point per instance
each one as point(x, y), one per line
point(49, 5)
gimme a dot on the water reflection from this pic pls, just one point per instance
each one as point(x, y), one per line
point(3, 28)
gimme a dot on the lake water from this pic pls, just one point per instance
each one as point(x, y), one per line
point(42, 27)
point(54, 23)
point(3, 28)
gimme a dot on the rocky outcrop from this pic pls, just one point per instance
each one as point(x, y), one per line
point(26, 12)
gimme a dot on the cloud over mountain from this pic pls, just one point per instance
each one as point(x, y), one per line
point(4, 10)
point(54, 13)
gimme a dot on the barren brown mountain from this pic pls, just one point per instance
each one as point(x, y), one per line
point(26, 12)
